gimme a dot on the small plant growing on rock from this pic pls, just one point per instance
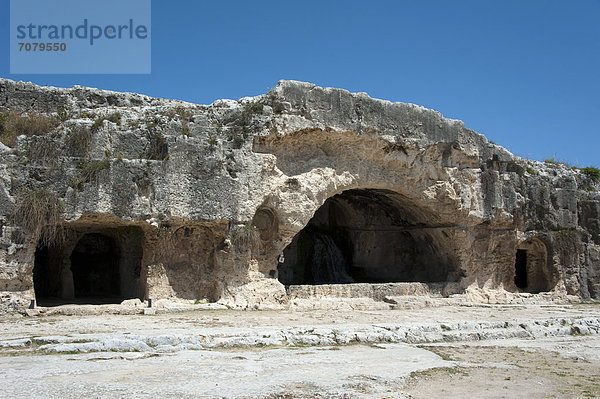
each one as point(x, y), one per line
point(249, 110)
point(152, 124)
point(89, 170)
point(179, 111)
point(86, 115)
point(158, 148)
point(97, 124)
point(185, 128)
point(39, 213)
point(554, 161)
point(63, 115)
point(115, 117)
point(531, 171)
point(134, 124)
point(76, 183)
point(254, 108)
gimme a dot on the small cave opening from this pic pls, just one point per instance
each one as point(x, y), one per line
point(91, 266)
point(532, 272)
point(95, 268)
point(369, 236)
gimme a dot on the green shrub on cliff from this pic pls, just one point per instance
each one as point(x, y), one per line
point(158, 148)
point(592, 172)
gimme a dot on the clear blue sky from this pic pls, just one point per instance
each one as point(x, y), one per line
point(524, 73)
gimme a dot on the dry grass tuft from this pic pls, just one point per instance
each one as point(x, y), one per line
point(245, 237)
point(44, 150)
point(39, 213)
point(78, 141)
point(12, 125)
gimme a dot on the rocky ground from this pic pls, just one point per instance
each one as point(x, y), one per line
point(492, 351)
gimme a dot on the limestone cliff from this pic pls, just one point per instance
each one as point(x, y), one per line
point(119, 195)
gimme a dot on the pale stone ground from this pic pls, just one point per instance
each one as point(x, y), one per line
point(516, 351)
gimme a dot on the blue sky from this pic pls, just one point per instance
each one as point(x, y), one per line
point(524, 73)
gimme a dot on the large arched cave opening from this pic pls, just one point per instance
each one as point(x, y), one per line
point(370, 236)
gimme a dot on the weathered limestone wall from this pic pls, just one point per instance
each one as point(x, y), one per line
point(193, 179)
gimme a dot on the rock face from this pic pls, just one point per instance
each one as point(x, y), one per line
point(126, 196)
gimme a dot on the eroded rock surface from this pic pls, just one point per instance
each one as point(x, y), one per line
point(198, 203)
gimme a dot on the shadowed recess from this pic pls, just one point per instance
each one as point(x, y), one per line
point(95, 266)
point(532, 272)
point(370, 236)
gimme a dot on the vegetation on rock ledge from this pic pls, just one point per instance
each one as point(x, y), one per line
point(12, 125)
point(39, 213)
point(592, 173)
point(115, 117)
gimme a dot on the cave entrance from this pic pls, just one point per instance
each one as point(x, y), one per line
point(521, 269)
point(91, 266)
point(46, 274)
point(95, 268)
point(532, 272)
point(370, 236)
